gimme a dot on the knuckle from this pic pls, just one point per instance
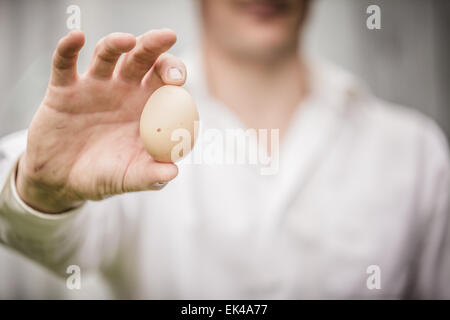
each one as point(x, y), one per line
point(106, 51)
point(59, 61)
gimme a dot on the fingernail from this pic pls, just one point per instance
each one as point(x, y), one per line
point(159, 185)
point(175, 74)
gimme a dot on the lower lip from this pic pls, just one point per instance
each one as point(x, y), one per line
point(262, 10)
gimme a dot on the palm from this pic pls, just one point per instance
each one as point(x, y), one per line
point(104, 126)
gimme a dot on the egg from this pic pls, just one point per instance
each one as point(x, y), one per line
point(168, 122)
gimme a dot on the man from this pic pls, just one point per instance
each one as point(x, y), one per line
point(362, 186)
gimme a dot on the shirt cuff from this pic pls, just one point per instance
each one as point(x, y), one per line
point(16, 202)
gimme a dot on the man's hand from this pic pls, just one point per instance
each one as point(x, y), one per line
point(83, 142)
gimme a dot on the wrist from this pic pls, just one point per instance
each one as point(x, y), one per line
point(39, 196)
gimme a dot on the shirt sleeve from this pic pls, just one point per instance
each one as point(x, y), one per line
point(432, 273)
point(84, 236)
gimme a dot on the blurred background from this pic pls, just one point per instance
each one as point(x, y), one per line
point(406, 62)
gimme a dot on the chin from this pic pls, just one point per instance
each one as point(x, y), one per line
point(265, 43)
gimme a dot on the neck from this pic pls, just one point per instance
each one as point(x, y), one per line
point(270, 88)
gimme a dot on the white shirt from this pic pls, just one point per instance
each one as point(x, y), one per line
point(361, 197)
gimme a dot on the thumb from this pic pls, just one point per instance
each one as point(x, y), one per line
point(144, 173)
